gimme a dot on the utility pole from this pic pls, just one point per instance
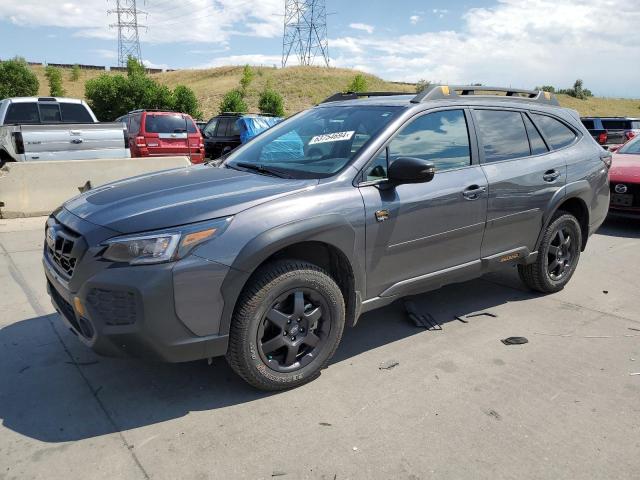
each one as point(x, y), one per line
point(127, 24)
point(305, 31)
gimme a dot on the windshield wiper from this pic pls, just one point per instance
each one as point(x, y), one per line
point(263, 169)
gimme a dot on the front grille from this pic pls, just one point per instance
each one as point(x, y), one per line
point(64, 247)
point(632, 189)
point(113, 307)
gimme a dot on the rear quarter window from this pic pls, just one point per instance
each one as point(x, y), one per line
point(22, 113)
point(556, 133)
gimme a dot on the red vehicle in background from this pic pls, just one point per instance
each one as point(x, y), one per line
point(624, 180)
point(160, 133)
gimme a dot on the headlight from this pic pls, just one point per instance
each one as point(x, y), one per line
point(163, 246)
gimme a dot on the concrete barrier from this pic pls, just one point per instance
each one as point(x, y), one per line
point(30, 189)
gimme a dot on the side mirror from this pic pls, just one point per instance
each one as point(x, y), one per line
point(410, 170)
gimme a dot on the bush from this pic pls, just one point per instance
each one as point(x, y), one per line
point(74, 76)
point(358, 84)
point(54, 77)
point(271, 102)
point(17, 80)
point(578, 91)
point(547, 88)
point(247, 78)
point(233, 101)
point(184, 100)
point(422, 85)
point(111, 96)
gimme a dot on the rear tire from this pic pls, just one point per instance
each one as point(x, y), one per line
point(287, 325)
point(558, 255)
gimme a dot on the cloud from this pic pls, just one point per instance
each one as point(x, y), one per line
point(198, 21)
point(440, 12)
point(362, 26)
point(104, 53)
point(414, 19)
point(517, 43)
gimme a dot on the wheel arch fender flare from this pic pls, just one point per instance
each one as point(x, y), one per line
point(580, 190)
point(331, 229)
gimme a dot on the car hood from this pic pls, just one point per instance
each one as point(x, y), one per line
point(625, 168)
point(177, 197)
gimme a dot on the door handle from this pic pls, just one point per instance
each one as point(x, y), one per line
point(76, 141)
point(550, 175)
point(473, 192)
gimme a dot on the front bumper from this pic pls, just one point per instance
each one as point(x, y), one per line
point(168, 312)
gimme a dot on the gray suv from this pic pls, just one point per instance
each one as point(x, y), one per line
point(338, 210)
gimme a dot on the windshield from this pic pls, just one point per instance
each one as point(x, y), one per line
point(632, 146)
point(314, 144)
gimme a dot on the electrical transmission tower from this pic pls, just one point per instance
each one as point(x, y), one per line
point(305, 31)
point(127, 23)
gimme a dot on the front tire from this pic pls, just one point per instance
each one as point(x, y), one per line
point(287, 325)
point(558, 255)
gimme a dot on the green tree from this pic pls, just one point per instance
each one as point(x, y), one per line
point(135, 67)
point(54, 77)
point(271, 102)
point(74, 76)
point(184, 100)
point(17, 79)
point(422, 85)
point(547, 88)
point(111, 96)
point(358, 84)
point(233, 101)
point(247, 77)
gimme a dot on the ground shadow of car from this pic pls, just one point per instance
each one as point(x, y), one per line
point(47, 396)
point(620, 227)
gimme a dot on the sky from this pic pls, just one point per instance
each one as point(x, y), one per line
point(517, 43)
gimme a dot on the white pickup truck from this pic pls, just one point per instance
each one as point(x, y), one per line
point(50, 128)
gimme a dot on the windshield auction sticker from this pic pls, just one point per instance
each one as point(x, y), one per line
point(332, 137)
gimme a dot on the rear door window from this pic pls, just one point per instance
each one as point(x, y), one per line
point(169, 124)
point(75, 113)
point(223, 126)
point(233, 128)
point(22, 113)
point(503, 135)
point(535, 140)
point(556, 133)
point(50, 113)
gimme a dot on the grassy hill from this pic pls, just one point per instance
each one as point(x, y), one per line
point(303, 87)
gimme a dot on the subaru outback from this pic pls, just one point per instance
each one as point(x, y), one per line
point(341, 209)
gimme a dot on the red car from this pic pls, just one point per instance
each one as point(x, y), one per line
point(624, 179)
point(155, 133)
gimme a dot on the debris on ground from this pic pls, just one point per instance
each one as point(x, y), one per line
point(324, 424)
point(514, 341)
point(605, 291)
point(635, 373)
point(494, 414)
point(634, 329)
point(422, 320)
point(388, 365)
point(278, 474)
point(465, 318)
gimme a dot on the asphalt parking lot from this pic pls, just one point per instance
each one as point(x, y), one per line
point(458, 404)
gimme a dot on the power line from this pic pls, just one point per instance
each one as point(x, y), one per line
point(305, 31)
point(127, 24)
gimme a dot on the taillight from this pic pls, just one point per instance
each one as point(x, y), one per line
point(602, 138)
point(629, 134)
point(141, 141)
point(18, 142)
